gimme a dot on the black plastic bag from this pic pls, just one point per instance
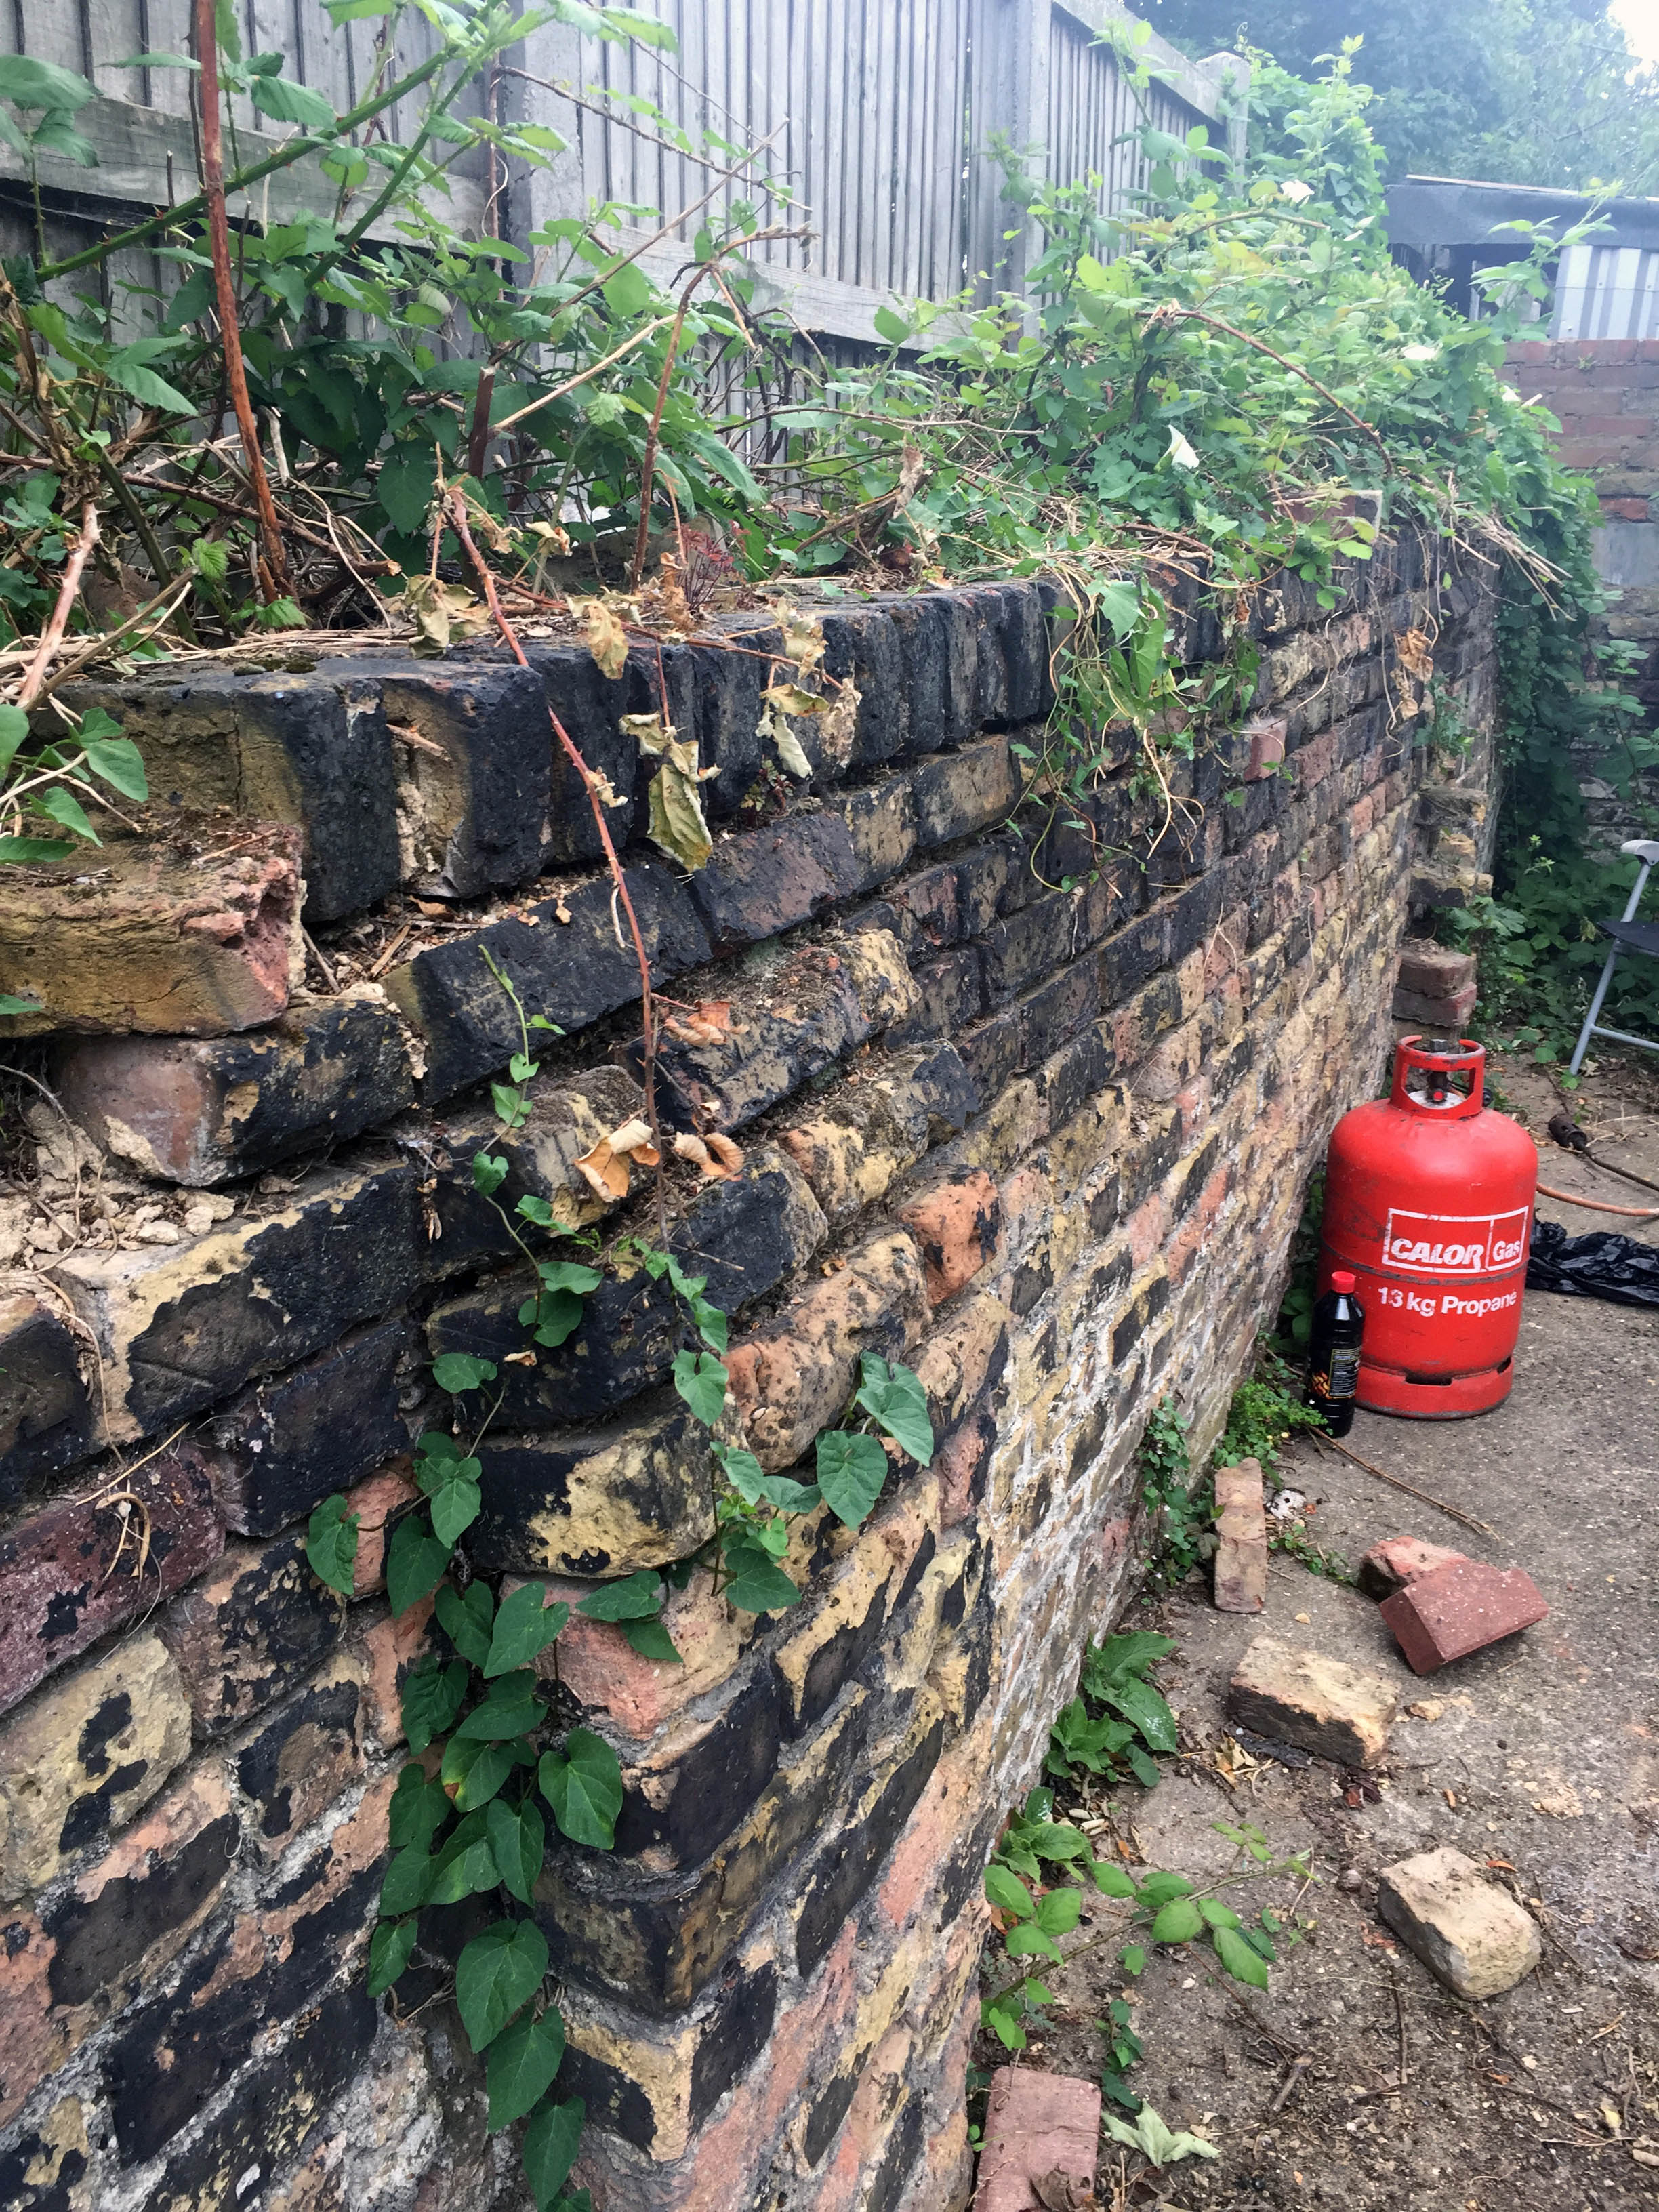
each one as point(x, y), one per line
point(1602, 1264)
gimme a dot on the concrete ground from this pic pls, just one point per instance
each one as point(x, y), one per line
point(1539, 1757)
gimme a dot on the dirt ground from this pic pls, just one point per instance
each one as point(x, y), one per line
point(1539, 1757)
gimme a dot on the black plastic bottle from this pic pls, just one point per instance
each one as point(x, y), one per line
point(1339, 1323)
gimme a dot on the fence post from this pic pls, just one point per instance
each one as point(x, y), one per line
point(1011, 43)
point(552, 52)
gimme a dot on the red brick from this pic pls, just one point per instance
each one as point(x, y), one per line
point(1266, 735)
point(1460, 1609)
point(1625, 510)
point(1391, 1564)
point(62, 1585)
point(388, 1650)
point(1439, 1013)
point(377, 1502)
point(1035, 2124)
point(956, 1225)
point(1435, 969)
point(1241, 1560)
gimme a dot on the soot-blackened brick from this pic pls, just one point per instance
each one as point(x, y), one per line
point(250, 1632)
point(991, 1051)
point(590, 706)
point(612, 2100)
point(993, 877)
point(286, 1445)
point(828, 2110)
point(38, 2176)
point(729, 686)
point(570, 971)
point(594, 1502)
point(474, 788)
point(302, 1760)
point(920, 625)
point(1146, 1160)
point(846, 1870)
point(746, 1235)
point(680, 1810)
point(898, 2159)
point(272, 2110)
point(950, 993)
point(1134, 954)
point(197, 1110)
point(733, 2037)
point(1054, 1014)
point(759, 883)
point(1195, 913)
point(1034, 942)
point(101, 1939)
point(860, 643)
point(46, 1410)
point(67, 1573)
point(962, 793)
point(175, 2053)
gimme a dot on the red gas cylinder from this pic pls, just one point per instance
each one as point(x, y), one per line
point(1428, 1199)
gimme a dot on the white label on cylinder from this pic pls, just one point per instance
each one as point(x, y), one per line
point(1455, 1245)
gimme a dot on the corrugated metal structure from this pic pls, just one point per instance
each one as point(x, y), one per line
point(1605, 286)
point(877, 113)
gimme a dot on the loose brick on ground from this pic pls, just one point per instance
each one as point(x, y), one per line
point(1319, 1705)
point(1241, 1560)
point(1467, 1930)
point(1039, 2128)
point(1460, 1607)
point(1389, 1566)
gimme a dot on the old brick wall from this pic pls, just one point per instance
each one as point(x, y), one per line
point(1028, 1105)
point(1604, 393)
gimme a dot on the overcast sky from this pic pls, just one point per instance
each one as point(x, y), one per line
point(1641, 21)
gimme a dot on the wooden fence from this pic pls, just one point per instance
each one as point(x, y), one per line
point(877, 113)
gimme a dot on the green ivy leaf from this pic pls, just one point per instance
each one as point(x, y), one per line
point(432, 1697)
point(523, 2060)
point(1240, 1959)
point(518, 1836)
point(701, 1380)
point(389, 1949)
point(455, 1497)
point(502, 1715)
point(284, 102)
point(550, 2143)
point(852, 1470)
point(497, 1972)
point(1057, 1913)
point(119, 762)
point(474, 1771)
point(415, 1562)
point(63, 806)
point(459, 1372)
point(407, 1881)
point(893, 1395)
point(1140, 1703)
point(1132, 1959)
point(524, 1626)
point(1008, 1892)
point(1177, 1921)
point(418, 1809)
point(637, 1598)
point(33, 852)
point(488, 1174)
point(652, 1641)
point(331, 1544)
point(756, 1583)
point(466, 1617)
point(583, 1784)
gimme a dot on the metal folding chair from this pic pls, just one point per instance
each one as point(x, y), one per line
point(1628, 935)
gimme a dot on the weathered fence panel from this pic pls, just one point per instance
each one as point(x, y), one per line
point(876, 113)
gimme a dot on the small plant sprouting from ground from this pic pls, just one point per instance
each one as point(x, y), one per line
point(1044, 1871)
point(1180, 1512)
point(1265, 1413)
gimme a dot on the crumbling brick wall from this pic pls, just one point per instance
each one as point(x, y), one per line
point(1025, 1097)
point(1605, 394)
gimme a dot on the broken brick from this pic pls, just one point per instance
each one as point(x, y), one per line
point(1241, 1560)
point(1388, 1566)
point(73, 1571)
point(1467, 1931)
point(1318, 1705)
point(1038, 2127)
point(1459, 1608)
point(954, 1222)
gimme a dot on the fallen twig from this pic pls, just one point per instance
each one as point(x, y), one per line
point(53, 636)
point(1395, 1482)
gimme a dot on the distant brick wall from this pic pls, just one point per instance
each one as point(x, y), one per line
point(1604, 392)
point(1047, 1144)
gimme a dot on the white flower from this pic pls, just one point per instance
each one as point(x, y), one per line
point(1180, 452)
point(1420, 353)
point(1296, 191)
